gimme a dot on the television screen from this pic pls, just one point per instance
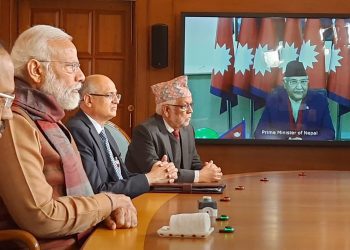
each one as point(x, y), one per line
point(268, 78)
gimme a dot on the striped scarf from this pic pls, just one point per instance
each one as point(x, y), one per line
point(46, 113)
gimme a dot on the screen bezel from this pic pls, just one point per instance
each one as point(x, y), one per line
point(258, 15)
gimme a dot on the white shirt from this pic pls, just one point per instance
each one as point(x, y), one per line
point(97, 126)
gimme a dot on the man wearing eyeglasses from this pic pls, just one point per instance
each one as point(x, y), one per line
point(7, 88)
point(294, 112)
point(169, 133)
point(43, 186)
point(99, 152)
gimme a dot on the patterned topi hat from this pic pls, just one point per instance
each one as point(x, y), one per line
point(171, 90)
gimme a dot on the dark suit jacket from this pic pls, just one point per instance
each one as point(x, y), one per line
point(315, 117)
point(150, 141)
point(100, 172)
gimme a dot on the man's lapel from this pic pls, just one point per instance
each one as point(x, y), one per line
point(96, 137)
point(184, 146)
point(164, 135)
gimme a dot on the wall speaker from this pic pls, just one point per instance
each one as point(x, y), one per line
point(159, 42)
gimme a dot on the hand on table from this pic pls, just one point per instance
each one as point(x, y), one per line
point(162, 172)
point(124, 214)
point(210, 173)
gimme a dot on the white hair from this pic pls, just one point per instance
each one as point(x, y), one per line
point(33, 44)
point(159, 106)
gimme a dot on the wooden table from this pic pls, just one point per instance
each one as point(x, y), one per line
point(287, 212)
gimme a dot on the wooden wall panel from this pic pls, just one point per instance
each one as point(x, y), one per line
point(8, 22)
point(252, 158)
point(4, 22)
point(142, 58)
point(112, 57)
point(78, 23)
point(163, 14)
point(46, 16)
point(110, 33)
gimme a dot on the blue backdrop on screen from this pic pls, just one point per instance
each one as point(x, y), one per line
point(237, 63)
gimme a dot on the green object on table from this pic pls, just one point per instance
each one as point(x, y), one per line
point(223, 218)
point(227, 229)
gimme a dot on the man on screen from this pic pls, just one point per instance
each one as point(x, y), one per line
point(293, 112)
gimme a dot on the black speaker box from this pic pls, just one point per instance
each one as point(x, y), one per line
point(159, 44)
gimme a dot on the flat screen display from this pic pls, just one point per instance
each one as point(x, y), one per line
point(272, 78)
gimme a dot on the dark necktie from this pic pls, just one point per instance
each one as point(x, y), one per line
point(114, 161)
point(176, 133)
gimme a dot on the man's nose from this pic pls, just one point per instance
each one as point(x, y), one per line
point(79, 76)
point(189, 109)
point(299, 85)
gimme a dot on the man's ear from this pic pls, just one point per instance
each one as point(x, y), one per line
point(165, 110)
point(285, 82)
point(35, 72)
point(87, 100)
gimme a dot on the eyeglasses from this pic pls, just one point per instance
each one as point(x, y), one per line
point(8, 100)
point(71, 67)
point(109, 96)
point(293, 82)
point(186, 107)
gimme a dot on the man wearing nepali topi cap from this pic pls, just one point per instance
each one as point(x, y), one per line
point(294, 112)
point(168, 132)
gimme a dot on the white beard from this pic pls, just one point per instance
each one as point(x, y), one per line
point(67, 98)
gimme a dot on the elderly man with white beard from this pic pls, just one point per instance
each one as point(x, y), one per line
point(43, 186)
point(7, 88)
